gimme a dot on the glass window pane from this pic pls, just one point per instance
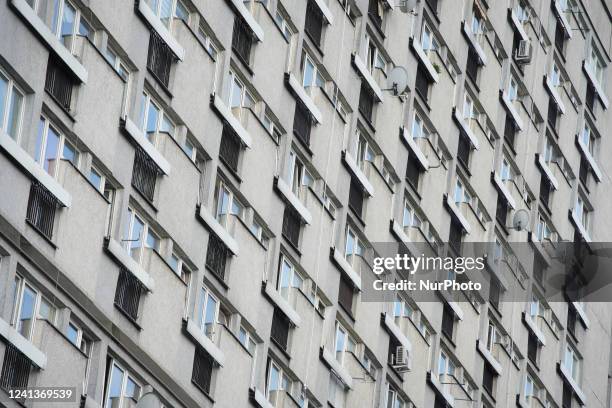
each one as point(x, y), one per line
point(274, 379)
point(67, 25)
point(70, 153)
point(151, 125)
point(132, 390)
point(181, 11)
point(116, 381)
point(51, 151)
point(14, 113)
point(95, 178)
point(165, 12)
point(135, 239)
point(72, 333)
point(3, 96)
point(308, 73)
point(46, 311)
point(167, 126)
point(152, 240)
point(236, 94)
point(26, 315)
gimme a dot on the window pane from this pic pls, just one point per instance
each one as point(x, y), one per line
point(152, 117)
point(114, 394)
point(236, 94)
point(70, 153)
point(72, 333)
point(51, 151)
point(152, 240)
point(14, 114)
point(27, 312)
point(274, 379)
point(46, 311)
point(135, 239)
point(165, 12)
point(95, 178)
point(132, 390)
point(67, 25)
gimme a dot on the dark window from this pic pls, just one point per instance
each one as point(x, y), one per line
point(160, 58)
point(509, 130)
point(494, 293)
point(15, 369)
point(216, 256)
point(439, 402)
point(242, 40)
point(345, 294)
point(571, 319)
point(356, 198)
point(127, 294)
point(202, 370)
point(59, 83)
point(280, 329)
point(375, 11)
point(559, 37)
point(488, 378)
point(144, 174)
point(291, 226)
point(229, 150)
point(590, 97)
point(567, 396)
point(463, 150)
point(455, 236)
point(471, 67)
point(583, 173)
point(501, 212)
point(532, 348)
point(545, 188)
point(448, 321)
point(552, 114)
point(302, 123)
point(314, 22)
point(539, 266)
point(41, 209)
point(413, 172)
point(422, 82)
point(366, 102)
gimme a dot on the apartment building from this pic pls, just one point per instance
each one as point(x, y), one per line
point(187, 189)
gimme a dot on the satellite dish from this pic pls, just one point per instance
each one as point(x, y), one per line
point(397, 80)
point(149, 400)
point(407, 6)
point(520, 219)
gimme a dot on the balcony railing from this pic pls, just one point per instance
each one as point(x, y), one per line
point(41, 209)
point(302, 123)
point(202, 370)
point(59, 83)
point(242, 40)
point(15, 369)
point(280, 329)
point(160, 58)
point(127, 294)
point(229, 150)
point(366, 102)
point(356, 198)
point(463, 150)
point(144, 174)
point(216, 256)
point(422, 82)
point(291, 226)
point(314, 22)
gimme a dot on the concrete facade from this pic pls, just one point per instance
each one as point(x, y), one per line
point(482, 77)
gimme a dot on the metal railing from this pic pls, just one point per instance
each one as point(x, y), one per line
point(15, 369)
point(280, 329)
point(144, 174)
point(216, 256)
point(127, 294)
point(291, 226)
point(422, 82)
point(356, 197)
point(242, 40)
point(314, 22)
point(229, 150)
point(463, 150)
point(302, 123)
point(160, 58)
point(202, 370)
point(59, 83)
point(41, 209)
point(366, 102)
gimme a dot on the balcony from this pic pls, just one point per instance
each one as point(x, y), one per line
point(427, 58)
point(554, 92)
point(422, 147)
point(595, 83)
point(341, 371)
point(580, 226)
point(398, 326)
point(513, 108)
point(492, 356)
point(26, 347)
point(138, 268)
point(351, 271)
point(567, 376)
point(461, 212)
point(307, 97)
point(298, 201)
point(551, 170)
point(164, 33)
point(561, 15)
point(222, 229)
point(209, 338)
point(469, 127)
point(507, 188)
point(371, 78)
point(245, 13)
point(536, 324)
point(478, 41)
point(141, 140)
point(236, 119)
point(361, 173)
point(518, 24)
point(589, 157)
point(288, 307)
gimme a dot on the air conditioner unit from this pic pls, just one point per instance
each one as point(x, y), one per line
point(524, 51)
point(402, 360)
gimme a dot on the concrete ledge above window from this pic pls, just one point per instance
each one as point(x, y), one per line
point(164, 33)
point(578, 224)
point(420, 53)
point(466, 128)
point(299, 91)
point(501, 186)
point(8, 333)
point(365, 74)
point(283, 188)
point(598, 88)
point(415, 148)
point(327, 14)
point(34, 169)
point(218, 230)
point(51, 40)
point(138, 136)
point(399, 335)
point(555, 94)
point(518, 25)
point(456, 212)
point(512, 110)
point(282, 304)
point(548, 171)
point(439, 389)
point(534, 328)
point(561, 15)
point(567, 376)
point(260, 399)
point(346, 268)
point(590, 159)
point(120, 254)
point(581, 314)
point(477, 47)
point(455, 308)
point(361, 177)
point(233, 121)
point(486, 354)
point(199, 337)
point(330, 360)
point(248, 17)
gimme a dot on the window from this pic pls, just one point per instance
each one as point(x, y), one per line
point(11, 106)
point(283, 23)
point(314, 22)
point(448, 321)
point(374, 58)
point(543, 231)
point(455, 236)
point(227, 204)
point(488, 378)
point(596, 63)
point(469, 111)
point(428, 39)
point(567, 396)
point(422, 82)
point(240, 98)
point(154, 122)
point(299, 176)
point(159, 58)
point(216, 256)
point(206, 40)
point(413, 172)
point(290, 281)
point(144, 174)
point(560, 37)
point(532, 348)
point(588, 138)
point(572, 316)
point(394, 400)
point(354, 248)
point(229, 150)
point(246, 339)
point(127, 294)
point(139, 237)
point(75, 335)
point(555, 74)
point(345, 295)
point(42, 206)
point(280, 329)
point(364, 152)
point(402, 309)
point(122, 390)
point(59, 83)
point(168, 11)
point(472, 65)
point(277, 383)
point(366, 102)
point(15, 369)
point(582, 212)
point(201, 374)
point(208, 312)
point(478, 23)
point(344, 342)
point(337, 392)
point(464, 148)
point(418, 128)
point(51, 147)
point(302, 123)
point(115, 61)
point(445, 365)
point(29, 307)
point(529, 387)
point(311, 74)
point(513, 89)
point(178, 266)
point(242, 40)
point(462, 195)
point(291, 226)
point(257, 230)
point(409, 217)
point(356, 198)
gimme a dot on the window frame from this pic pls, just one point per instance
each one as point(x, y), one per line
point(126, 376)
point(147, 230)
point(21, 283)
point(162, 118)
point(7, 106)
